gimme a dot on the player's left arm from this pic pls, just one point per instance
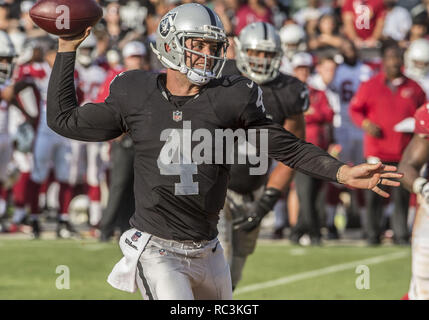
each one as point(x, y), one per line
point(282, 175)
point(279, 179)
point(309, 159)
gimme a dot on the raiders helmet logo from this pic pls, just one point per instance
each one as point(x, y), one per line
point(165, 24)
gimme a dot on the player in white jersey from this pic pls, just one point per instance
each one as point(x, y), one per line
point(417, 63)
point(292, 37)
point(7, 54)
point(91, 78)
point(51, 151)
point(415, 156)
point(24, 114)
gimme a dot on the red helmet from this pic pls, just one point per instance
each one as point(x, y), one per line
point(422, 120)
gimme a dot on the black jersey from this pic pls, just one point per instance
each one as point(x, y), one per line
point(181, 200)
point(283, 97)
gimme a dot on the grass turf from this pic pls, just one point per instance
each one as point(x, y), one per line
point(28, 271)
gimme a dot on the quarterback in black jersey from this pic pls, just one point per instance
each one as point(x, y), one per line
point(172, 251)
point(285, 99)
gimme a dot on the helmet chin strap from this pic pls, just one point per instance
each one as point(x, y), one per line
point(193, 76)
point(196, 78)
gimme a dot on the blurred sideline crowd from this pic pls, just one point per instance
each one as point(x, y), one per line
point(342, 49)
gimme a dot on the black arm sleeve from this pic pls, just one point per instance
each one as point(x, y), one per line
point(285, 147)
point(90, 122)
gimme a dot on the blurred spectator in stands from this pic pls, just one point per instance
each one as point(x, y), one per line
point(4, 16)
point(417, 63)
point(278, 11)
point(231, 7)
point(312, 11)
point(325, 72)
point(221, 10)
point(27, 23)
point(132, 15)
point(409, 4)
point(116, 31)
point(420, 9)
point(398, 21)
point(419, 29)
point(293, 40)
point(311, 25)
point(156, 10)
point(318, 116)
point(363, 21)
point(397, 98)
point(252, 11)
point(327, 34)
point(14, 8)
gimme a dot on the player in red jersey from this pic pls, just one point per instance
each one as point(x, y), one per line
point(415, 157)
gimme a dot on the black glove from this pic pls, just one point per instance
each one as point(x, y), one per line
point(248, 216)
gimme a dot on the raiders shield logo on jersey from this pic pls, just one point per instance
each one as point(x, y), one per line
point(177, 116)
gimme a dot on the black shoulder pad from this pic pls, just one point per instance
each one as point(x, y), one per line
point(291, 93)
point(230, 68)
point(231, 95)
point(133, 80)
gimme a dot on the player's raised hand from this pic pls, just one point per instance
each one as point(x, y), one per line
point(369, 176)
point(67, 44)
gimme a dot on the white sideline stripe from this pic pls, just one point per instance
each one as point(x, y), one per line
point(320, 272)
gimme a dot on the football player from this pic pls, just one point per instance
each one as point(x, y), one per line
point(7, 55)
point(172, 250)
point(293, 38)
point(415, 156)
point(50, 151)
point(417, 63)
point(258, 56)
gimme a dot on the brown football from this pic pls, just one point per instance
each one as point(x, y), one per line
point(66, 17)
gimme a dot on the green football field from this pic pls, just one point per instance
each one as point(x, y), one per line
point(277, 270)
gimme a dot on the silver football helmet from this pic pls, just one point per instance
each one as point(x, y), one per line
point(191, 20)
point(292, 37)
point(7, 50)
point(260, 36)
point(417, 58)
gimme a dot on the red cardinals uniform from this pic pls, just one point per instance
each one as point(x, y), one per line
point(385, 107)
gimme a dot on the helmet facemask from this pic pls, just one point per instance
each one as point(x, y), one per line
point(258, 69)
point(86, 56)
point(419, 68)
point(178, 55)
point(6, 69)
point(417, 59)
point(213, 63)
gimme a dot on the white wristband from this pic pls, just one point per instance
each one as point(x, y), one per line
point(418, 184)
